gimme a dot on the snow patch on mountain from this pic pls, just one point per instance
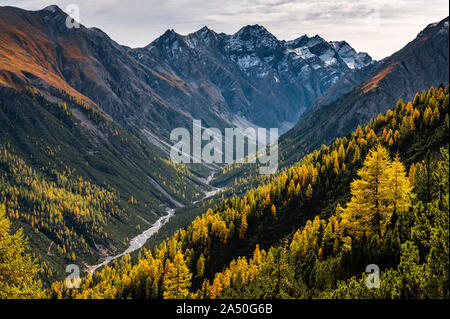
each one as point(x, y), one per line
point(247, 61)
point(277, 78)
point(444, 29)
point(353, 59)
point(328, 57)
point(302, 52)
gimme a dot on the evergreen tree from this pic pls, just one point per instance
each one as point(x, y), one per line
point(200, 266)
point(437, 266)
point(177, 280)
point(367, 210)
point(17, 269)
point(399, 186)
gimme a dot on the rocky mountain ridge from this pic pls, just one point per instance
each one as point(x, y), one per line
point(246, 79)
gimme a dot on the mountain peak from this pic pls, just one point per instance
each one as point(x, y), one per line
point(206, 35)
point(169, 32)
point(440, 27)
point(204, 29)
point(305, 41)
point(253, 27)
point(168, 36)
point(353, 59)
point(52, 8)
point(254, 30)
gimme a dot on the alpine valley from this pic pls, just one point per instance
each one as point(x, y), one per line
point(86, 177)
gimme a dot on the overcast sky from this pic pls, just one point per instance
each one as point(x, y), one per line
point(377, 27)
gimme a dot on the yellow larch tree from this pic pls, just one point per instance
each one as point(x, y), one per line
point(177, 280)
point(367, 210)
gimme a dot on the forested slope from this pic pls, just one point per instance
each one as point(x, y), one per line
point(317, 224)
point(74, 179)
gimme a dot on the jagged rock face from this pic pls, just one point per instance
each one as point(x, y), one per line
point(251, 74)
point(353, 59)
point(248, 78)
point(38, 49)
point(355, 100)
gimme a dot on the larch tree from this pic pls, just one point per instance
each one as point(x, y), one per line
point(17, 269)
point(399, 186)
point(425, 185)
point(177, 280)
point(309, 191)
point(368, 209)
point(243, 226)
point(200, 266)
point(356, 155)
point(273, 210)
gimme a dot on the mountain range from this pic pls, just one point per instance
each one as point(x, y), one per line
point(420, 64)
point(248, 78)
point(77, 109)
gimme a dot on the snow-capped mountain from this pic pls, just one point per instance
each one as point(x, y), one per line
point(249, 78)
point(420, 64)
point(353, 59)
point(251, 75)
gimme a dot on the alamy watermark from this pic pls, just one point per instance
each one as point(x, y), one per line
point(73, 280)
point(373, 278)
point(260, 147)
point(73, 16)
